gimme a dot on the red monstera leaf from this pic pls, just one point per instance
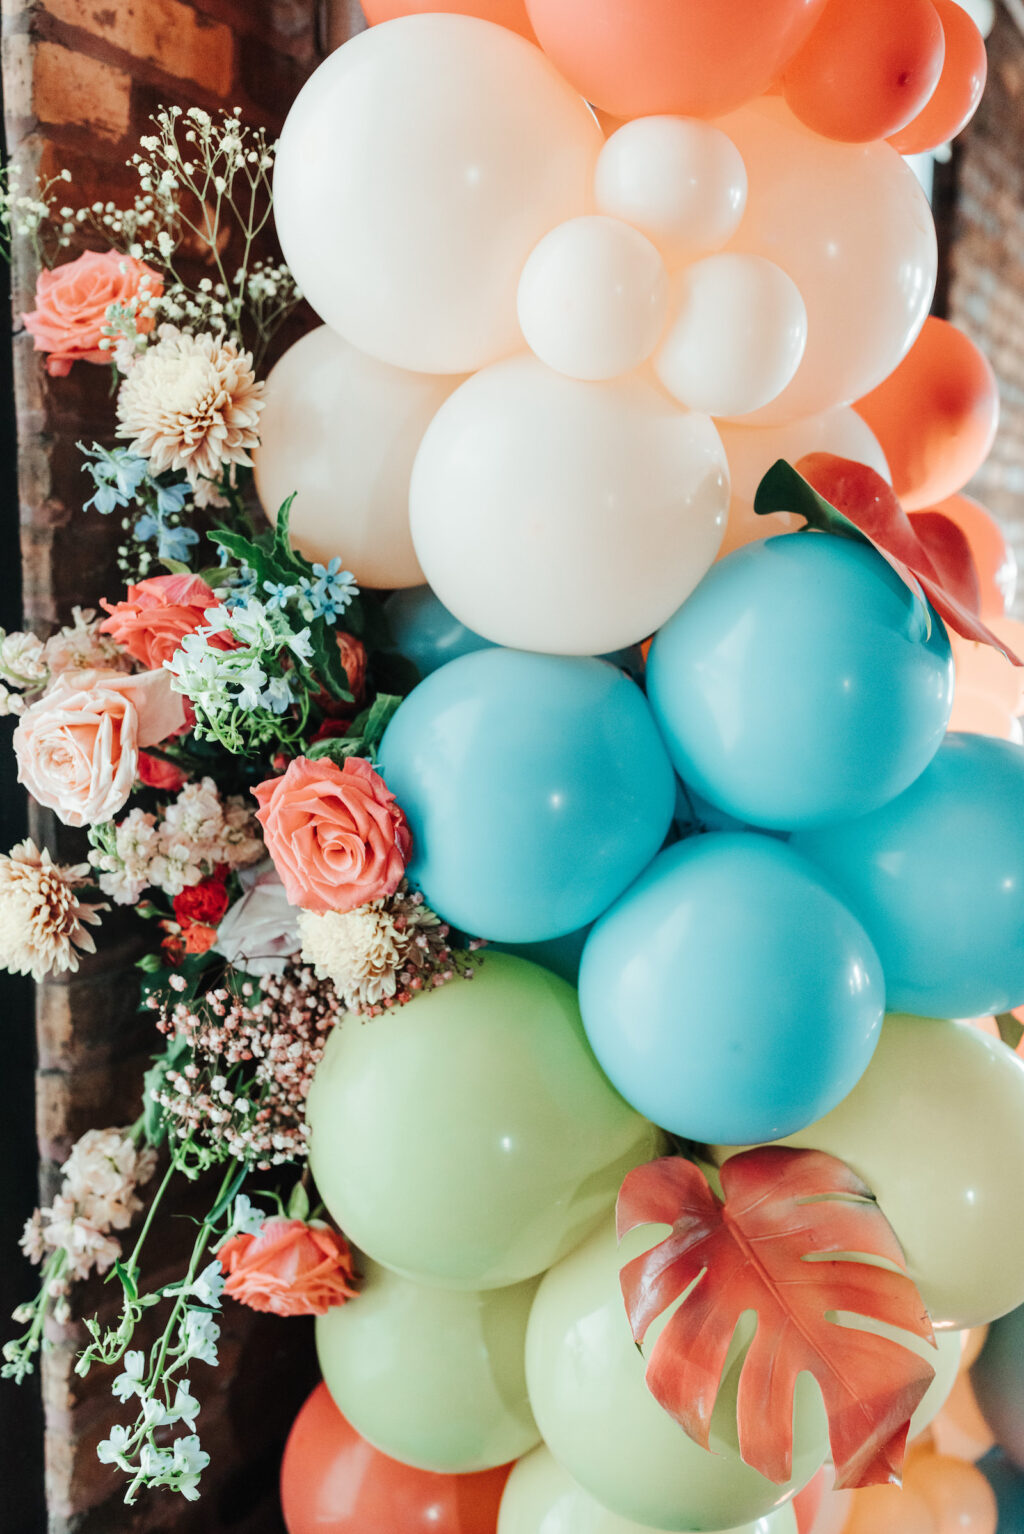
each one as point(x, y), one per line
point(928, 550)
point(797, 1238)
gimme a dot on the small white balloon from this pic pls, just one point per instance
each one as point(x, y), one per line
point(417, 169)
point(593, 298)
point(737, 336)
point(339, 431)
point(680, 181)
point(567, 517)
point(751, 451)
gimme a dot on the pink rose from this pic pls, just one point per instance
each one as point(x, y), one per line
point(78, 747)
point(72, 302)
point(157, 614)
point(336, 835)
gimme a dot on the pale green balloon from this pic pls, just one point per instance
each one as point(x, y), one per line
point(598, 1418)
point(469, 1138)
point(435, 1378)
point(542, 1498)
point(935, 1128)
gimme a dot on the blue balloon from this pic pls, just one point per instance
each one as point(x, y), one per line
point(997, 1376)
point(561, 955)
point(937, 878)
point(800, 684)
point(425, 632)
point(729, 995)
point(1008, 1484)
point(536, 788)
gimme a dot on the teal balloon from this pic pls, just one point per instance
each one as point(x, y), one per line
point(1008, 1484)
point(801, 683)
point(425, 632)
point(536, 788)
point(937, 878)
point(997, 1377)
point(561, 955)
point(729, 985)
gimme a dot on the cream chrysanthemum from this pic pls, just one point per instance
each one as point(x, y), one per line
point(381, 953)
point(191, 404)
point(42, 921)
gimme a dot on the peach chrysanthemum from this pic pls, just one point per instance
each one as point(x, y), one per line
point(42, 921)
point(191, 404)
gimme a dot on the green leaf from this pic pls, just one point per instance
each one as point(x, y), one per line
point(281, 547)
point(227, 1198)
point(1011, 1030)
point(154, 1126)
point(149, 963)
point(337, 749)
point(298, 1204)
point(129, 1281)
point(327, 659)
point(379, 715)
point(783, 489)
point(176, 566)
point(395, 673)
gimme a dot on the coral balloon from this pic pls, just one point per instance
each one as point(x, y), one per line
point(593, 298)
point(433, 1377)
point(541, 1496)
point(751, 451)
point(955, 99)
point(889, 1510)
point(852, 227)
point(603, 1425)
point(737, 335)
point(472, 1141)
point(504, 13)
point(681, 182)
point(994, 558)
point(417, 169)
point(807, 1502)
point(679, 56)
point(867, 69)
point(573, 518)
point(334, 1482)
point(960, 1499)
point(340, 430)
point(935, 415)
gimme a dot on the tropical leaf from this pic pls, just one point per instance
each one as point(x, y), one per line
point(839, 496)
point(797, 1238)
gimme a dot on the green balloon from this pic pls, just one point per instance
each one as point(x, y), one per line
point(469, 1138)
point(598, 1418)
point(541, 1495)
point(434, 1378)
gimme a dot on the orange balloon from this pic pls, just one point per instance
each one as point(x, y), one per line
point(889, 1510)
point(976, 715)
point(635, 58)
point(506, 13)
point(935, 415)
point(959, 1497)
point(334, 1482)
point(955, 99)
point(867, 69)
point(994, 558)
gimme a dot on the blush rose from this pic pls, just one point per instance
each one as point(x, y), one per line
point(289, 1268)
point(72, 300)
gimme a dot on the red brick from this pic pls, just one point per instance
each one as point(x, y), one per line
point(172, 37)
point(70, 88)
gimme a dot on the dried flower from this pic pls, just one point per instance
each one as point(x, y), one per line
point(42, 920)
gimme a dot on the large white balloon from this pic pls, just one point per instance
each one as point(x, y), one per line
point(593, 298)
point(853, 229)
point(417, 169)
point(679, 181)
point(561, 516)
point(737, 335)
point(340, 430)
point(751, 451)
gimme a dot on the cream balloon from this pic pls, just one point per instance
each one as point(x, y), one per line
point(751, 451)
point(417, 169)
point(852, 227)
point(435, 1378)
point(566, 517)
point(340, 430)
point(542, 1498)
point(679, 181)
point(600, 1421)
point(935, 1127)
point(593, 298)
point(737, 335)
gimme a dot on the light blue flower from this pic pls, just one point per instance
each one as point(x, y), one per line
point(171, 498)
point(331, 592)
point(146, 527)
point(279, 595)
point(277, 695)
point(301, 645)
point(175, 543)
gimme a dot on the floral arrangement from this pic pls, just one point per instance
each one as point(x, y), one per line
point(212, 731)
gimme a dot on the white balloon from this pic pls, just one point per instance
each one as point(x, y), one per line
point(751, 451)
point(542, 1498)
point(593, 298)
point(417, 169)
point(680, 181)
point(340, 430)
point(568, 517)
point(737, 336)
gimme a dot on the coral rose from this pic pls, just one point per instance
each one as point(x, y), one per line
point(157, 614)
point(70, 316)
point(289, 1269)
point(336, 835)
point(204, 902)
point(157, 773)
point(78, 747)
